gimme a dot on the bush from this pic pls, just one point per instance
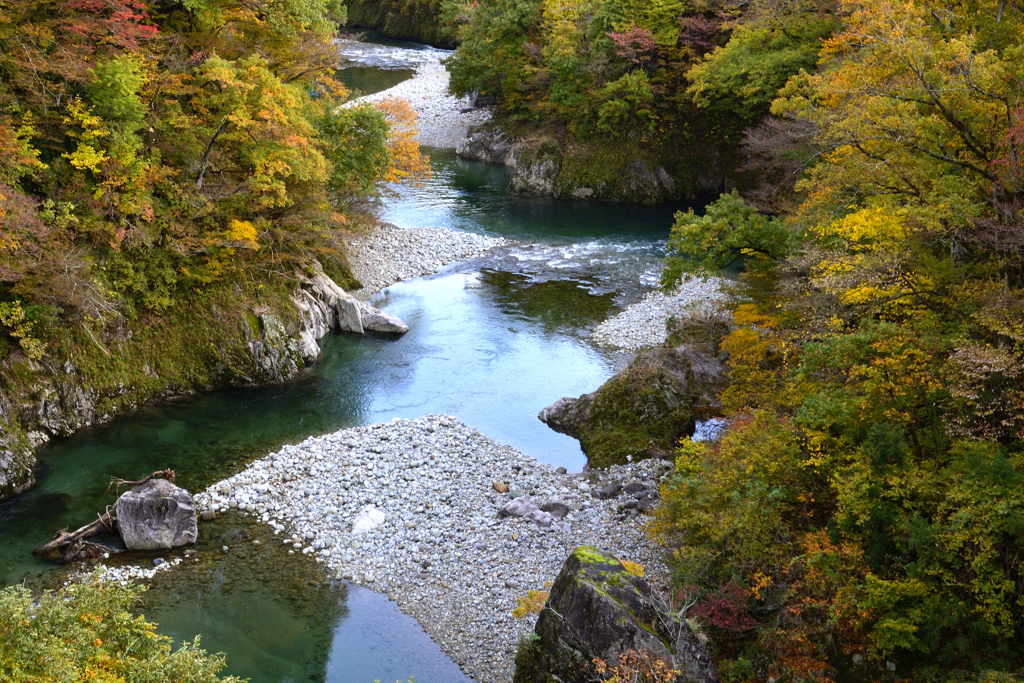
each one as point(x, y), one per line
point(88, 632)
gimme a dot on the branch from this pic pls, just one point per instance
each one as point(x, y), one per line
point(117, 483)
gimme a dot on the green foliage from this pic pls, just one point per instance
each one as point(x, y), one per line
point(739, 81)
point(88, 631)
point(115, 91)
point(867, 495)
point(729, 229)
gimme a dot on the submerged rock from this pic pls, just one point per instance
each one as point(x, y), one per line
point(643, 410)
point(598, 610)
point(156, 514)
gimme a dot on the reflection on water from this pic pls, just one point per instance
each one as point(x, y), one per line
point(282, 619)
point(367, 80)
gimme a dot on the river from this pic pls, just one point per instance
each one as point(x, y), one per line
point(492, 341)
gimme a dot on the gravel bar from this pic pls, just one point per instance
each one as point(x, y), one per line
point(443, 120)
point(642, 325)
point(386, 253)
point(409, 508)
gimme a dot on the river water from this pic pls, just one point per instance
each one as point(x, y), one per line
point(492, 341)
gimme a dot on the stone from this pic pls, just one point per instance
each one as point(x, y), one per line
point(500, 487)
point(524, 507)
point(633, 487)
point(368, 519)
point(208, 515)
point(610, 491)
point(555, 509)
point(598, 610)
point(156, 514)
point(644, 410)
point(561, 470)
point(378, 321)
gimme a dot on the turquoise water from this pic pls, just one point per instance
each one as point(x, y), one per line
point(491, 341)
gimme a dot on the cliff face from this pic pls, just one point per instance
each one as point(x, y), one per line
point(217, 342)
point(414, 20)
point(544, 165)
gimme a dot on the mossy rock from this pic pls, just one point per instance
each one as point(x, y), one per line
point(598, 610)
point(644, 410)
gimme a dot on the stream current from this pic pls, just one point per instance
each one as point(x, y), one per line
point(492, 341)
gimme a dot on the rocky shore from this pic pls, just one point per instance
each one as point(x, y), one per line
point(443, 120)
point(413, 509)
point(386, 254)
point(642, 325)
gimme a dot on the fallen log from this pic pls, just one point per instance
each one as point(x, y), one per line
point(106, 522)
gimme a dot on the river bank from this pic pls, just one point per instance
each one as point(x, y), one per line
point(385, 254)
point(443, 120)
point(644, 324)
point(435, 543)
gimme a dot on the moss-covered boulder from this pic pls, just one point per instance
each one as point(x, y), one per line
point(644, 410)
point(598, 610)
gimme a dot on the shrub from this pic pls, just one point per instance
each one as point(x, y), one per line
point(88, 632)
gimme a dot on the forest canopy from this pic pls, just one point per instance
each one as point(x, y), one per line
point(863, 513)
point(149, 150)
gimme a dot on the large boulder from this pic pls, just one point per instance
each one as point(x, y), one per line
point(376, 320)
point(643, 410)
point(156, 515)
point(598, 610)
point(324, 306)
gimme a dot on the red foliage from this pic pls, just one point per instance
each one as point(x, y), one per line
point(635, 44)
point(699, 32)
point(118, 22)
point(725, 610)
point(22, 233)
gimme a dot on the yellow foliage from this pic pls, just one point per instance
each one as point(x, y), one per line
point(634, 568)
point(12, 316)
point(864, 262)
point(407, 162)
point(531, 603)
point(242, 234)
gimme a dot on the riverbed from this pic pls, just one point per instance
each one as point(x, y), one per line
point(493, 340)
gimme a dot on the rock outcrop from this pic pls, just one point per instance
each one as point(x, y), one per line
point(156, 515)
point(542, 165)
point(55, 397)
point(324, 306)
point(415, 20)
point(17, 459)
point(598, 610)
point(643, 410)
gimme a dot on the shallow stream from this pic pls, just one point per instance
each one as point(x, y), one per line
point(492, 341)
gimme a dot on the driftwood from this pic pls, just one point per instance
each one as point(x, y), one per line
point(83, 550)
point(65, 539)
point(74, 544)
point(117, 483)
